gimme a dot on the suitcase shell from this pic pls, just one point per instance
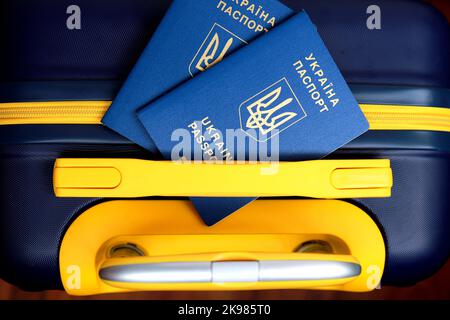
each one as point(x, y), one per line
point(54, 92)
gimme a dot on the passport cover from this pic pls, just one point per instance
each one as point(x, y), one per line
point(283, 87)
point(193, 36)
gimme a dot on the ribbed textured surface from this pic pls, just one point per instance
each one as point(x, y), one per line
point(37, 45)
point(415, 220)
point(411, 49)
point(32, 219)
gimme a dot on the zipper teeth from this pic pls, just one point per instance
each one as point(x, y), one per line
point(411, 118)
point(406, 117)
point(387, 117)
point(403, 116)
point(52, 112)
point(60, 112)
point(43, 108)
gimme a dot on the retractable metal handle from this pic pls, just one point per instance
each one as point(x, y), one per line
point(323, 269)
point(131, 178)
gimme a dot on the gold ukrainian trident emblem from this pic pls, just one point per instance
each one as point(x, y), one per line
point(217, 44)
point(210, 57)
point(265, 117)
point(273, 110)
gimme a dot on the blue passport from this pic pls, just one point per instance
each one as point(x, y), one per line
point(282, 96)
point(193, 36)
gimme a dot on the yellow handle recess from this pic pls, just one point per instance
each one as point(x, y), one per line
point(106, 247)
point(132, 178)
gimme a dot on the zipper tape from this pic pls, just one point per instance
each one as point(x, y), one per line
point(54, 112)
point(380, 117)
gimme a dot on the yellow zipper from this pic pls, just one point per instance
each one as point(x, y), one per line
point(380, 117)
point(54, 112)
point(394, 117)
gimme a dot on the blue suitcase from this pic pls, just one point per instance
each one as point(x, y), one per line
point(56, 84)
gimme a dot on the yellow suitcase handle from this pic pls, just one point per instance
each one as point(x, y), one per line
point(304, 270)
point(154, 235)
point(132, 178)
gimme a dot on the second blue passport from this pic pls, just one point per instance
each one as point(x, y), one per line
point(281, 97)
point(193, 36)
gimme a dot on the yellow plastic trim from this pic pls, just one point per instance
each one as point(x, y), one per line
point(170, 230)
point(380, 117)
point(131, 178)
